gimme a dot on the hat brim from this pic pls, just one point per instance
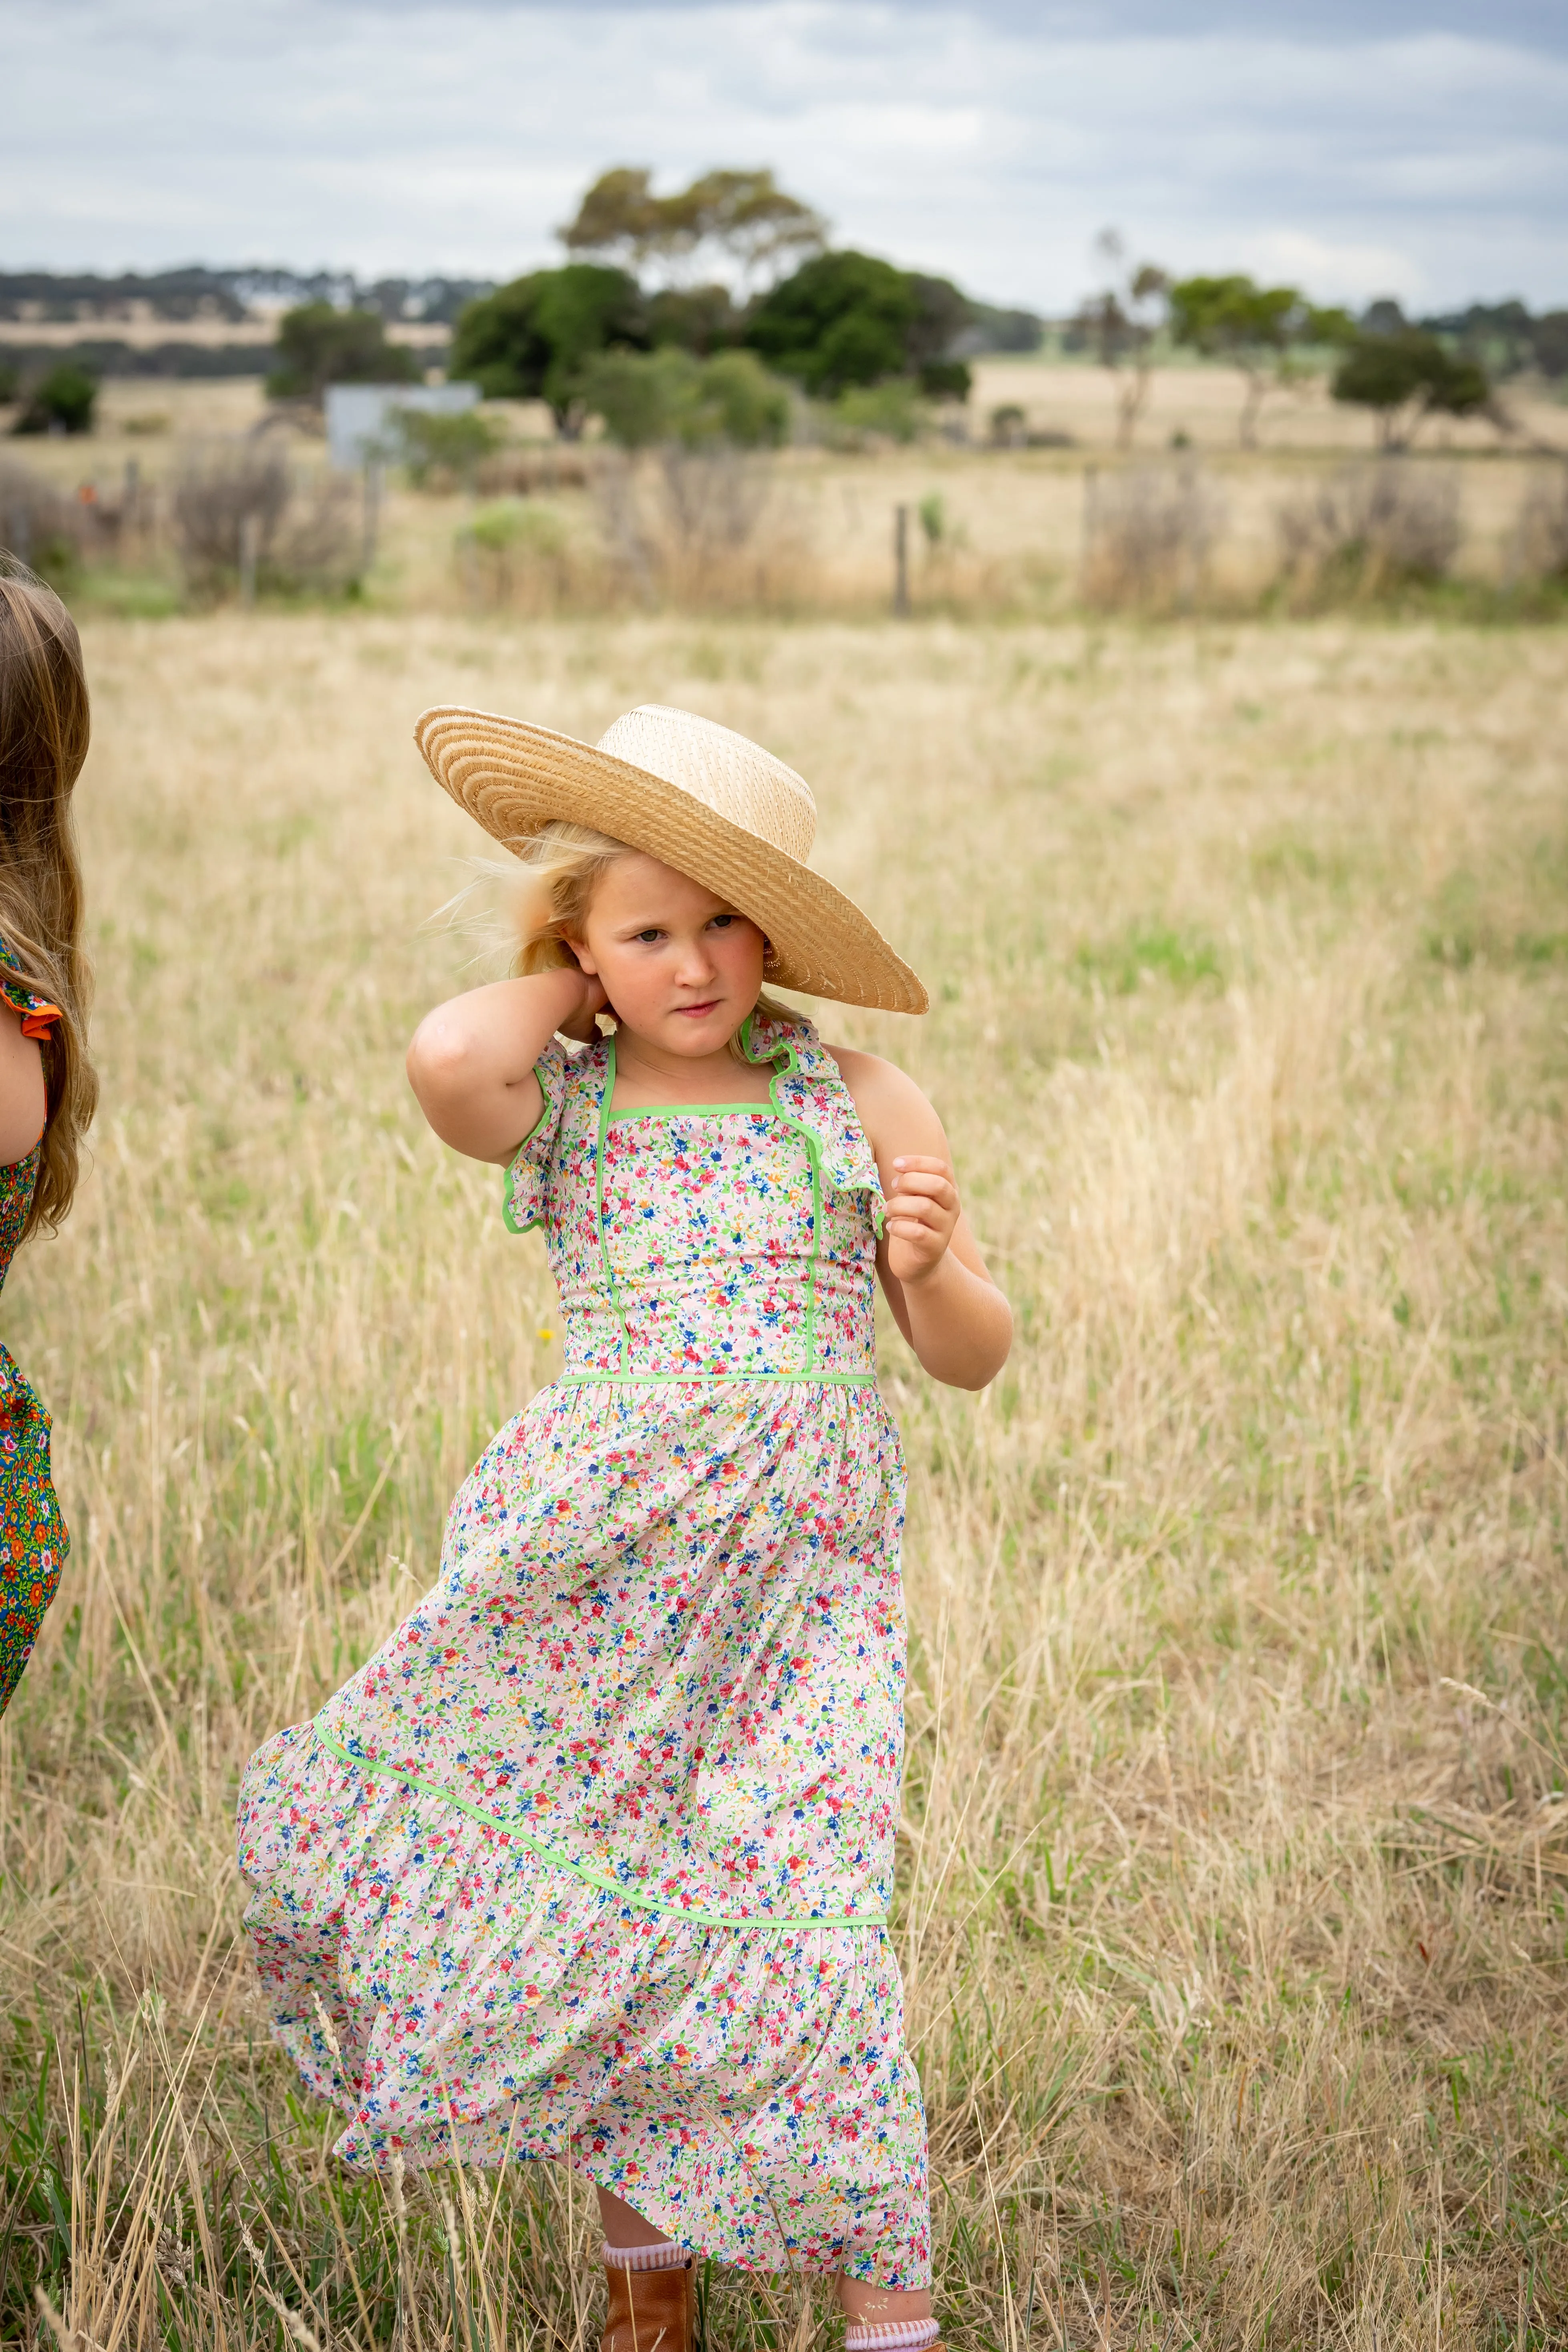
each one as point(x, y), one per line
point(514, 778)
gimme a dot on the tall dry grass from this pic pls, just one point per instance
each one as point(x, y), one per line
point(1235, 1846)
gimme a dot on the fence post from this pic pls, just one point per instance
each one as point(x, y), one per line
point(900, 564)
point(249, 535)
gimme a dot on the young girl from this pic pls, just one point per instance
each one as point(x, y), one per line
point(47, 1088)
point(593, 1859)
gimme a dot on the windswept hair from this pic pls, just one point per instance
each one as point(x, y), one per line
point(563, 866)
point(44, 729)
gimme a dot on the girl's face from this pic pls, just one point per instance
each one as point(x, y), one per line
point(681, 968)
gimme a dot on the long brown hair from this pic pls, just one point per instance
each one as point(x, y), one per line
point(44, 729)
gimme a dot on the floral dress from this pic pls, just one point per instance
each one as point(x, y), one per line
point(593, 1860)
point(33, 1539)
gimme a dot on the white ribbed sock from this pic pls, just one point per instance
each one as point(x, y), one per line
point(667, 2256)
point(890, 2334)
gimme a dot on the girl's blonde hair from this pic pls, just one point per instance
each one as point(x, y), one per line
point(43, 728)
point(563, 867)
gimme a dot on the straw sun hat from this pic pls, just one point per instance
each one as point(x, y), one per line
point(695, 796)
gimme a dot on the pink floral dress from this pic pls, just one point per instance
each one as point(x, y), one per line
point(593, 1860)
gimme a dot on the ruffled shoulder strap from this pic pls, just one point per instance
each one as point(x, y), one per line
point(808, 1090)
point(566, 1074)
point(38, 1015)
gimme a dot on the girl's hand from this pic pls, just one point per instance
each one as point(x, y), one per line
point(580, 1025)
point(921, 1215)
point(943, 1300)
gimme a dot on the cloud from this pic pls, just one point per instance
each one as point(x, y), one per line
point(1343, 273)
point(1381, 148)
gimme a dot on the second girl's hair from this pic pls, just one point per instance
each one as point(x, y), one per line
point(43, 728)
point(563, 866)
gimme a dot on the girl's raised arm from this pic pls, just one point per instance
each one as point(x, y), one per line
point(934, 1277)
point(470, 1062)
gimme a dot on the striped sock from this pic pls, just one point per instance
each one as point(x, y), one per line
point(665, 2255)
point(891, 2335)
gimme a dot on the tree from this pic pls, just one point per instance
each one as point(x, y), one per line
point(318, 345)
point(434, 445)
point(942, 315)
point(60, 402)
point(1407, 376)
point(700, 319)
point(1259, 328)
point(1120, 325)
point(741, 219)
point(535, 338)
point(1549, 343)
point(842, 319)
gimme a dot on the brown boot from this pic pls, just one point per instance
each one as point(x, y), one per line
point(650, 2311)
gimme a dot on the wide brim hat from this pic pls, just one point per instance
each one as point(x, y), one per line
point(698, 797)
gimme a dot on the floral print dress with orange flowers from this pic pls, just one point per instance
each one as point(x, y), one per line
point(593, 1859)
point(33, 1539)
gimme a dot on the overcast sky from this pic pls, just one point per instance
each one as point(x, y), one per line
point(1390, 147)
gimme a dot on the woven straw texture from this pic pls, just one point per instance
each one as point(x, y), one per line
point(700, 798)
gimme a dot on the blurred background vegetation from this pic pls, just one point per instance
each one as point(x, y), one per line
point(681, 414)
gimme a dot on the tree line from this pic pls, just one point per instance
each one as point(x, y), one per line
point(687, 315)
point(693, 315)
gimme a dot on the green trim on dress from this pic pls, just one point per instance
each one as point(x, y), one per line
point(600, 1878)
point(784, 1055)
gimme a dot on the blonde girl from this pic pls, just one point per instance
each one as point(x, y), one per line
point(593, 1859)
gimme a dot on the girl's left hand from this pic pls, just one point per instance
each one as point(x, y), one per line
point(921, 1214)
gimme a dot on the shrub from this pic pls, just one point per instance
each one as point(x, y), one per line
point(1148, 533)
point(746, 406)
point(671, 397)
point(305, 532)
point(636, 396)
point(688, 524)
point(1371, 529)
point(10, 378)
point(512, 543)
point(318, 345)
point(440, 450)
point(892, 411)
point(521, 472)
point(945, 379)
point(39, 526)
point(61, 402)
point(1538, 545)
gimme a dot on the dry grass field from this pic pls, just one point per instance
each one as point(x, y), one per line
point(1194, 523)
point(1234, 1902)
point(1203, 402)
